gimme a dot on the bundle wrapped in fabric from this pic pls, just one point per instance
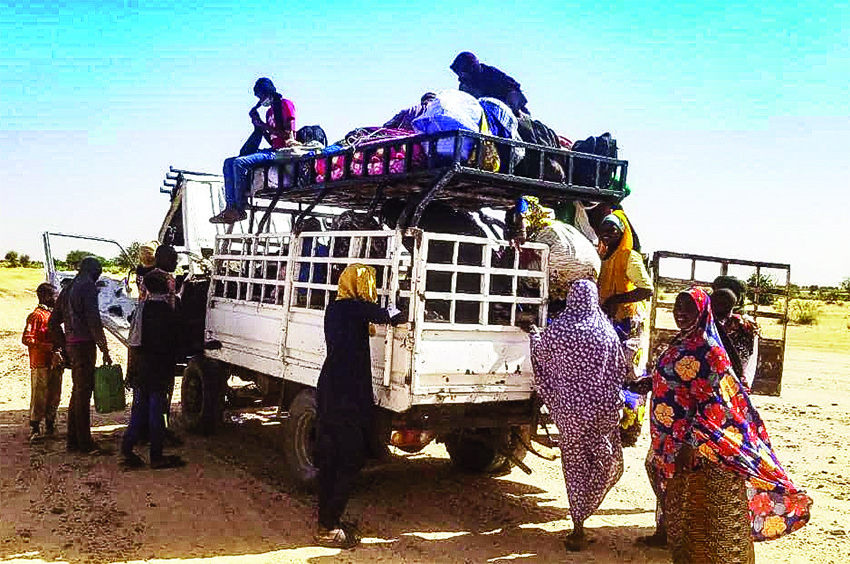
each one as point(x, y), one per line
point(363, 139)
point(453, 110)
point(503, 123)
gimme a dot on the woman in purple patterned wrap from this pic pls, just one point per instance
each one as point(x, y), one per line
point(579, 369)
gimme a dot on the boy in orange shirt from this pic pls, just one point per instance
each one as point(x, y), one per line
point(46, 366)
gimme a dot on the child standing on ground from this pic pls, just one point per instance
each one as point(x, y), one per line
point(45, 366)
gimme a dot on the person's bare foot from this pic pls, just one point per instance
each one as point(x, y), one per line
point(576, 541)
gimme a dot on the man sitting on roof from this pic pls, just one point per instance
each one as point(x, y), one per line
point(404, 119)
point(482, 81)
point(277, 130)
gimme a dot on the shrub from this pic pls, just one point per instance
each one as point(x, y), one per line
point(12, 259)
point(765, 284)
point(804, 312)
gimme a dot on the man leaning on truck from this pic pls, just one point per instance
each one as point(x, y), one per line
point(77, 310)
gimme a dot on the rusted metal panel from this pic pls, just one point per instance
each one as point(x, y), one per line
point(771, 351)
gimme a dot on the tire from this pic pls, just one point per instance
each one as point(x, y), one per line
point(480, 450)
point(201, 396)
point(300, 439)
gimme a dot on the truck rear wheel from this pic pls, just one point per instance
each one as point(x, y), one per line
point(300, 439)
point(202, 396)
point(483, 450)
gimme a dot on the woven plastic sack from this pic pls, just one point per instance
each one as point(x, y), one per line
point(109, 389)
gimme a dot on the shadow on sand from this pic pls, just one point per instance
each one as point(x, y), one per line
point(235, 500)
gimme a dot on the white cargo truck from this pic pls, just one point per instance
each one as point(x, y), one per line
point(458, 370)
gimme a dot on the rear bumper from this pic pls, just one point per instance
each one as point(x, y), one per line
point(447, 417)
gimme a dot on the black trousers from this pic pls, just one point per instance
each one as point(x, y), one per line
point(83, 357)
point(340, 454)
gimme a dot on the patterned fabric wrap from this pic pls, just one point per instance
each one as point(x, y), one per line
point(579, 369)
point(362, 139)
point(634, 410)
point(503, 123)
point(699, 401)
point(631, 334)
point(491, 160)
point(743, 331)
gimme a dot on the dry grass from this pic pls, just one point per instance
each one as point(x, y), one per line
point(17, 296)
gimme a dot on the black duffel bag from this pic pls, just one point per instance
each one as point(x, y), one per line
point(584, 170)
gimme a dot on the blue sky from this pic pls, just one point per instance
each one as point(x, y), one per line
point(734, 117)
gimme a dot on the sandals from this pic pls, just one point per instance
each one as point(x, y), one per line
point(340, 537)
point(228, 216)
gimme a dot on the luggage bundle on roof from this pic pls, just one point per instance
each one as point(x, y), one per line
point(466, 151)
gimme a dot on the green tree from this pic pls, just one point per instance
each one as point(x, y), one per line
point(73, 258)
point(845, 285)
point(25, 260)
point(766, 286)
point(130, 257)
point(12, 258)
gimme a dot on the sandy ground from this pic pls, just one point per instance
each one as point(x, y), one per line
point(234, 503)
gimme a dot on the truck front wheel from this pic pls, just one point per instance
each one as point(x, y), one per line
point(202, 396)
point(300, 439)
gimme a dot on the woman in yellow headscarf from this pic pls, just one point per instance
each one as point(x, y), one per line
point(624, 288)
point(344, 400)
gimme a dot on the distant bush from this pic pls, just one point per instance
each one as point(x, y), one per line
point(804, 312)
point(11, 259)
point(766, 284)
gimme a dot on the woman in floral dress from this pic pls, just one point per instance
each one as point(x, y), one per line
point(703, 422)
point(579, 369)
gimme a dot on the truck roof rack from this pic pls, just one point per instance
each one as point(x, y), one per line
point(447, 166)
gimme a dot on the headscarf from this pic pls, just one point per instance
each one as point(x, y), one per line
point(465, 62)
point(578, 347)
point(612, 278)
point(699, 400)
point(357, 282)
point(147, 253)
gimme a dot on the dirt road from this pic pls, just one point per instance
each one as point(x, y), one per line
point(234, 503)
